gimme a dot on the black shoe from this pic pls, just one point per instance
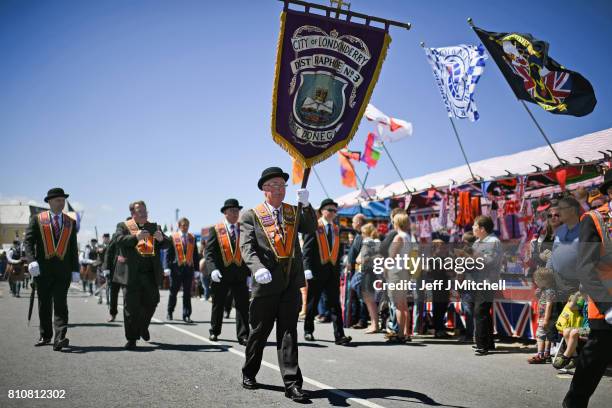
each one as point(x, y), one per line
point(481, 351)
point(17, 295)
point(227, 315)
point(61, 344)
point(309, 337)
point(212, 337)
point(296, 394)
point(111, 318)
point(130, 345)
point(344, 340)
point(242, 342)
point(486, 348)
point(187, 319)
point(249, 383)
point(169, 316)
point(42, 342)
point(145, 335)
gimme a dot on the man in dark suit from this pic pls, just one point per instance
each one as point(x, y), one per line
point(266, 236)
point(322, 252)
point(108, 268)
point(138, 270)
point(181, 261)
point(229, 272)
point(52, 255)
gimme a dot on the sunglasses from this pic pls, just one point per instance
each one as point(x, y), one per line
point(553, 215)
point(330, 209)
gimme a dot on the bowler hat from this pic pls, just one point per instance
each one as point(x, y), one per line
point(55, 192)
point(231, 203)
point(328, 201)
point(269, 173)
point(606, 183)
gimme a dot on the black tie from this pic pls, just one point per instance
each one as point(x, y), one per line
point(329, 236)
point(233, 235)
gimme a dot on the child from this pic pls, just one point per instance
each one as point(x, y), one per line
point(571, 335)
point(546, 332)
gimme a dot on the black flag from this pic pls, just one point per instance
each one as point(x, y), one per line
point(535, 77)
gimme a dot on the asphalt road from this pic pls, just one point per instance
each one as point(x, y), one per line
point(181, 367)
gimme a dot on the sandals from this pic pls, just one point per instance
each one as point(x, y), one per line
point(371, 331)
point(561, 361)
point(536, 360)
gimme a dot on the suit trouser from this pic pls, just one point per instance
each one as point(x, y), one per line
point(483, 321)
point(440, 307)
point(240, 292)
point(52, 298)
point(140, 298)
point(595, 356)
point(112, 291)
point(330, 285)
point(181, 277)
point(264, 311)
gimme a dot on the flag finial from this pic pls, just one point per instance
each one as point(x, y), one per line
point(470, 21)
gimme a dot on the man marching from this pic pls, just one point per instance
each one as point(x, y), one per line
point(266, 234)
point(322, 251)
point(229, 272)
point(52, 253)
point(181, 262)
point(16, 270)
point(138, 269)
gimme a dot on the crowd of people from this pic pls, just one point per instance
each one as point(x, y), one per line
point(255, 261)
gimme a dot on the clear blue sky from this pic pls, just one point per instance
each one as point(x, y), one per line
point(170, 101)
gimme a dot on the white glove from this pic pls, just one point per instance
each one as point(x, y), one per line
point(263, 276)
point(308, 274)
point(167, 272)
point(106, 273)
point(302, 197)
point(33, 269)
point(609, 316)
point(216, 276)
point(545, 255)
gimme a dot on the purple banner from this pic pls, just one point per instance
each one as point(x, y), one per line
point(326, 70)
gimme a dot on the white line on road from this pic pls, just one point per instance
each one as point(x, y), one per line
point(333, 390)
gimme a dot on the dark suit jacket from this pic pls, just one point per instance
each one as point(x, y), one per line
point(258, 254)
point(214, 260)
point(171, 261)
point(54, 267)
point(126, 272)
point(110, 257)
point(312, 258)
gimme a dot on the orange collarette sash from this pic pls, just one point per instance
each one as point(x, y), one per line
point(324, 252)
point(229, 254)
point(145, 247)
point(279, 243)
point(184, 257)
point(46, 229)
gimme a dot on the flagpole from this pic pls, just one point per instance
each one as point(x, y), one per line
point(395, 165)
point(471, 23)
point(365, 179)
point(320, 182)
point(462, 150)
point(359, 179)
point(541, 131)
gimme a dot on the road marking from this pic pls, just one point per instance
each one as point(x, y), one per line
point(311, 381)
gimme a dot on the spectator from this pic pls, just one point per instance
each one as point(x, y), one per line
point(572, 335)
point(546, 332)
point(564, 258)
point(359, 311)
point(365, 260)
point(467, 296)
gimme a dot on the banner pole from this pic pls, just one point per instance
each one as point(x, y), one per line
point(297, 220)
point(541, 131)
point(320, 182)
point(462, 150)
point(395, 166)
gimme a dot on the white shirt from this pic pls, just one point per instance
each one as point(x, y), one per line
point(325, 223)
point(271, 209)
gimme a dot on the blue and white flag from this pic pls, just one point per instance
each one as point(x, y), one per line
point(457, 70)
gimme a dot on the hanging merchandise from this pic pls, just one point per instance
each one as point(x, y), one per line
point(475, 206)
point(464, 217)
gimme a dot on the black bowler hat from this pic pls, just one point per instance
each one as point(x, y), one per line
point(328, 201)
point(231, 203)
point(55, 192)
point(269, 173)
point(606, 183)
